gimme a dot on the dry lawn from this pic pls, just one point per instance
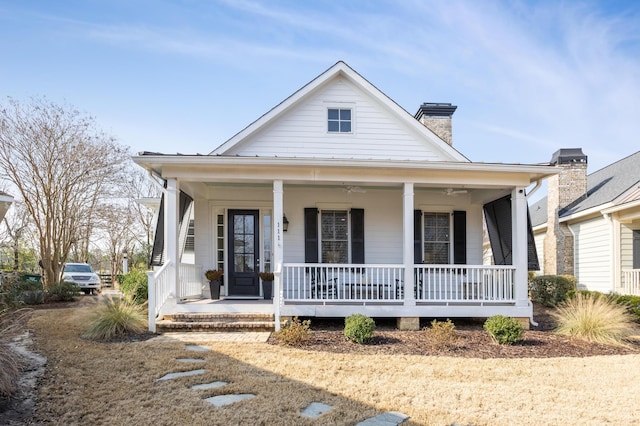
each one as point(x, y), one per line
point(115, 384)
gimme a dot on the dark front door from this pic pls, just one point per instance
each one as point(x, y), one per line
point(244, 252)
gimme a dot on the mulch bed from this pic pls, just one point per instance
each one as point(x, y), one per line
point(472, 341)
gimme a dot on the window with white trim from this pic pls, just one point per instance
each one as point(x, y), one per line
point(334, 236)
point(339, 120)
point(437, 238)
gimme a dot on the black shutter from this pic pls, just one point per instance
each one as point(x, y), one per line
point(498, 219)
point(460, 237)
point(185, 202)
point(636, 249)
point(532, 255)
point(357, 236)
point(417, 236)
point(158, 239)
point(311, 235)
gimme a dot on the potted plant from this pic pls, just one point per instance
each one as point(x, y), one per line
point(267, 284)
point(215, 281)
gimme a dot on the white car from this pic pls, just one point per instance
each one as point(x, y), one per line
point(82, 275)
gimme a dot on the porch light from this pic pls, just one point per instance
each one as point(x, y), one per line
point(285, 223)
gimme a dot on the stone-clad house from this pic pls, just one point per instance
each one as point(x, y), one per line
point(355, 205)
point(589, 224)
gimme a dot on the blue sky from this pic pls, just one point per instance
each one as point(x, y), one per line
point(528, 77)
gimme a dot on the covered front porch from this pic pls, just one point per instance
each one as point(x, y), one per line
point(393, 236)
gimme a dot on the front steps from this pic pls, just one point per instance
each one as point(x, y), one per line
point(216, 322)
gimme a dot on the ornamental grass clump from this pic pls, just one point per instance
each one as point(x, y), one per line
point(359, 328)
point(504, 330)
point(115, 318)
point(294, 332)
point(594, 319)
point(11, 323)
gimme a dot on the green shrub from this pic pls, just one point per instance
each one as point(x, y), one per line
point(359, 328)
point(134, 285)
point(62, 292)
point(594, 319)
point(631, 303)
point(294, 332)
point(442, 333)
point(116, 317)
point(504, 330)
point(15, 292)
point(551, 289)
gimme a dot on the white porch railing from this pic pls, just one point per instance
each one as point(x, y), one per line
point(381, 283)
point(159, 284)
point(190, 281)
point(631, 282)
point(465, 283)
point(320, 282)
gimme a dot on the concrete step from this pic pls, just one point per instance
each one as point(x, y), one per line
point(216, 322)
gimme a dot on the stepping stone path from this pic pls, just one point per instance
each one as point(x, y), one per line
point(390, 418)
point(171, 376)
point(205, 386)
point(190, 360)
point(313, 410)
point(197, 348)
point(222, 400)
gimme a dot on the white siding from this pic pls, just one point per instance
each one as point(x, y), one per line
point(593, 254)
point(302, 131)
point(382, 210)
point(626, 246)
point(539, 241)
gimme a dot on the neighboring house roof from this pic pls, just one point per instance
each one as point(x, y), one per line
point(617, 182)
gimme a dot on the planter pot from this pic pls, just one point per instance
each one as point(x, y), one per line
point(267, 289)
point(214, 288)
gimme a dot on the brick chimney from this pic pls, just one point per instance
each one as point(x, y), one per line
point(437, 118)
point(568, 186)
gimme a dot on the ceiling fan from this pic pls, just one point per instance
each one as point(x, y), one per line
point(350, 189)
point(451, 191)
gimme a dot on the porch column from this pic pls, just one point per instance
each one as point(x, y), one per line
point(408, 259)
point(171, 233)
point(520, 245)
point(278, 247)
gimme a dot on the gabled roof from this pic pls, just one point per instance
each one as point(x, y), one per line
point(340, 69)
point(609, 185)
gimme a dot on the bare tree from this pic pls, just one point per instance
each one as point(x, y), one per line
point(141, 187)
point(16, 227)
point(61, 164)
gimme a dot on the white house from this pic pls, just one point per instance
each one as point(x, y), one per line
point(5, 202)
point(589, 225)
point(355, 204)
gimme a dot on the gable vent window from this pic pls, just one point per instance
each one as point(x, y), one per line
point(339, 120)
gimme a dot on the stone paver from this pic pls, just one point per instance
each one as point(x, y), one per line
point(241, 336)
point(181, 374)
point(315, 410)
point(190, 360)
point(211, 385)
point(197, 348)
point(391, 418)
point(222, 400)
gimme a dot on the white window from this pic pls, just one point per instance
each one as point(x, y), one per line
point(339, 120)
point(334, 236)
point(437, 238)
